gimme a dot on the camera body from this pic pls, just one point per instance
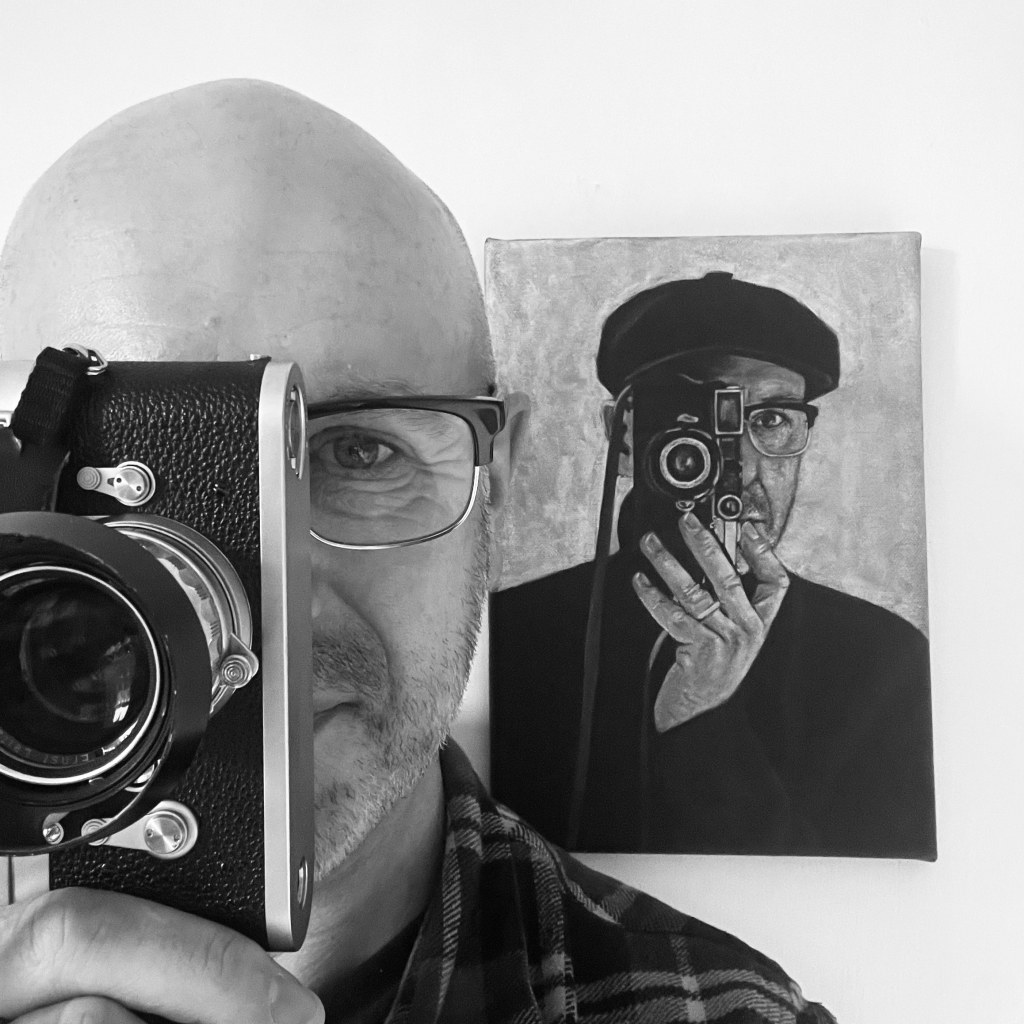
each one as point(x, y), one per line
point(155, 647)
point(686, 458)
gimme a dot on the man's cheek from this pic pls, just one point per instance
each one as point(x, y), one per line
point(780, 482)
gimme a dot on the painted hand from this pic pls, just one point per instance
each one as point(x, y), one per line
point(716, 643)
point(76, 954)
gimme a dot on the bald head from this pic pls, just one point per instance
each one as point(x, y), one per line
point(238, 217)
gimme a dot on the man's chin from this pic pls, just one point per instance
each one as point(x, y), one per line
point(358, 778)
point(343, 760)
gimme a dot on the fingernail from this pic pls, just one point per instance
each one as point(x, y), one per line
point(290, 1003)
point(750, 531)
point(649, 542)
point(640, 580)
point(690, 522)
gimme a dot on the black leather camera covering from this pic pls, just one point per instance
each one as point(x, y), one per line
point(195, 426)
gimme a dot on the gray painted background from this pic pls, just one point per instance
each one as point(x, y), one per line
point(858, 521)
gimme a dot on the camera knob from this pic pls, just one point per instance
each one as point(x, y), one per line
point(234, 671)
point(165, 833)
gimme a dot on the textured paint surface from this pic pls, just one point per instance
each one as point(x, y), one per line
point(858, 522)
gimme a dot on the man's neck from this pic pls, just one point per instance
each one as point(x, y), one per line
point(377, 890)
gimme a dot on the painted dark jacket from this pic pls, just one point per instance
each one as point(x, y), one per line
point(825, 748)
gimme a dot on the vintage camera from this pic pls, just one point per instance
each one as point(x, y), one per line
point(686, 445)
point(155, 698)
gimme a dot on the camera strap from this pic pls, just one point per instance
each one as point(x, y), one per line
point(592, 643)
point(34, 448)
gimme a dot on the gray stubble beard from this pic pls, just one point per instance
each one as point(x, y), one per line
point(405, 720)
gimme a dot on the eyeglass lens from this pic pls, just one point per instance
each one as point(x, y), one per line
point(778, 431)
point(385, 476)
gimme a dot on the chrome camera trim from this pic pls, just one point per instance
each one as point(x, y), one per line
point(286, 658)
point(176, 546)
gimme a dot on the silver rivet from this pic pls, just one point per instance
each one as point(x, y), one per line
point(94, 825)
point(302, 883)
point(53, 833)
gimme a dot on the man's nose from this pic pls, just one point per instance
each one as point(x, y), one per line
point(750, 461)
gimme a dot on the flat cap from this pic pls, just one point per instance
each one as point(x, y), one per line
point(717, 314)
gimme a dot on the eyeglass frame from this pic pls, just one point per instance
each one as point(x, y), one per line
point(485, 416)
point(811, 412)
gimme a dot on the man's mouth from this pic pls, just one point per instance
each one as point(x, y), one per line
point(341, 709)
point(327, 700)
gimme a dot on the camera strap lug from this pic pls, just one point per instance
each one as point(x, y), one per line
point(34, 447)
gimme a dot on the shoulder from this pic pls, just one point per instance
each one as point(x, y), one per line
point(588, 947)
point(627, 944)
point(835, 611)
point(631, 954)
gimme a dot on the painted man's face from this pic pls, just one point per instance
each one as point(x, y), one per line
point(769, 484)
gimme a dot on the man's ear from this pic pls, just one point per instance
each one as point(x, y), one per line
point(607, 411)
point(507, 447)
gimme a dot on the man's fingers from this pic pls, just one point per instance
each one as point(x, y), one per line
point(77, 942)
point(721, 573)
point(679, 622)
point(771, 575)
point(86, 1010)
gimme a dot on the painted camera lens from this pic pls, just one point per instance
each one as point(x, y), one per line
point(685, 462)
point(78, 674)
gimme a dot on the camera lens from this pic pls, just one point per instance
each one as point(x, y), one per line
point(730, 506)
point(685, 462)
point(78, 674)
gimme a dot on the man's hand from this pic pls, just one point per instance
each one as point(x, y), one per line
point(717, 643)
point(77, 956)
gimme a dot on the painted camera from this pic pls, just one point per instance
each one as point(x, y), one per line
point(686, 439)
point(155, 699)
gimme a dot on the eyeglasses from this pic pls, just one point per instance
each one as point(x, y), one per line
point(389, 472)
point(780, 429)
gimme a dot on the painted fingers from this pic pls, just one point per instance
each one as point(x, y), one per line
point(719, 631)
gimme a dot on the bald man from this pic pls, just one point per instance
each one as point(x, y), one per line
point(237, 217)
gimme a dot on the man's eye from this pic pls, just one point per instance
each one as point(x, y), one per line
point(770, 419)
point(357, 452)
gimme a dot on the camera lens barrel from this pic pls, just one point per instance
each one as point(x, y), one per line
point(682, 463)
point(104, 675)
point(80, 675)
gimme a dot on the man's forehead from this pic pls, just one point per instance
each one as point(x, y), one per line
point(345, 385)
point(325, 250)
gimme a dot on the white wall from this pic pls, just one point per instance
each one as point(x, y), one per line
point(543, 118)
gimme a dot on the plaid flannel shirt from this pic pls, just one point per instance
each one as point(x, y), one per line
point(518, 932)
